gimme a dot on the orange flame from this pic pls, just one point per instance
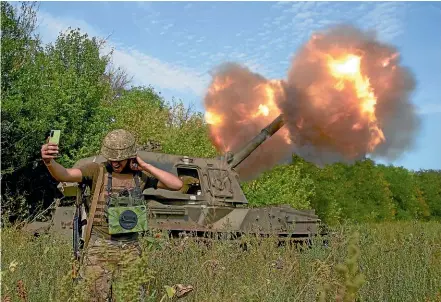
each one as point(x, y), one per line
point(261, 111)
point(213, 118)
point(269, 92)
point(335, 102)
point(347, 69)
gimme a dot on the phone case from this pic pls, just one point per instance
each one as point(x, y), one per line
point(55, 136)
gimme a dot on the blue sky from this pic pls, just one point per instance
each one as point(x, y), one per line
point(173, 45)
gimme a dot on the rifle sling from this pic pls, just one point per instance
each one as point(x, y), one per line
point(96, 193)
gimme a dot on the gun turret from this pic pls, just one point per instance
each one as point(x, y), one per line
point(266, 132)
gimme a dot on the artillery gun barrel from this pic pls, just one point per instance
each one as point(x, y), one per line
point(266, 132)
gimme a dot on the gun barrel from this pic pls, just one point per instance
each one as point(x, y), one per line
point(75, 238)
point(266, 132)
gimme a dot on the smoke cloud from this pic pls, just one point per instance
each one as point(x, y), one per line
point(329, 117)
point(236, 96)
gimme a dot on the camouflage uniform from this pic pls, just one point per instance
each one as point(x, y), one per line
point(103, 260)
point(105, 256)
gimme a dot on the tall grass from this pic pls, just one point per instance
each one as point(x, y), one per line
point(370, 262)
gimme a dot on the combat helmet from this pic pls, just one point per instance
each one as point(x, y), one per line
point(118, 145)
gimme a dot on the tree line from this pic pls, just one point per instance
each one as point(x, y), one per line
point(72, 85)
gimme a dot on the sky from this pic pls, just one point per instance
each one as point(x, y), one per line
point(173, 46)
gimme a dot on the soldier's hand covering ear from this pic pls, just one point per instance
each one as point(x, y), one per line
point(136, 164)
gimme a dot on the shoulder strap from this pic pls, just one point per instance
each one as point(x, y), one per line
point(137, 192)
point(109, 185)
point(136, 177)
point(96, 194)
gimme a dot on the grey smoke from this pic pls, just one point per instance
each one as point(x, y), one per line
point(335, 141)
point(234, 102)
point(320, 134)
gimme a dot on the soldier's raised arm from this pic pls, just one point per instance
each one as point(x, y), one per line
point(58, 172)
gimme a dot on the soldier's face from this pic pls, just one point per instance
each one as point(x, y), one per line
point(118, 166)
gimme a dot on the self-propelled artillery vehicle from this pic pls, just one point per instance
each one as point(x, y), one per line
point(210, 203)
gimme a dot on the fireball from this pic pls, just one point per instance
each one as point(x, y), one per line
point(259, 109)
point(347, 70)
point(342, 92)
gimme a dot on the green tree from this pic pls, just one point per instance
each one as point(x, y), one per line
point(356, 192)
point(177, 127)
point(285, 184)
point(76, 88)
point(61, 87)
point(429, 185)
point(139, 110)
point(188, 134)
point(368, 195)
point(20, 50)
point(331, 182)
point(405, 194)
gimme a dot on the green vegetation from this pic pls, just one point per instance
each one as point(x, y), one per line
point(399, 261)
point(71, 85)
point(362, 192)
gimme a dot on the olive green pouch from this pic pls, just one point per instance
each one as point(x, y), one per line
point(127, 215)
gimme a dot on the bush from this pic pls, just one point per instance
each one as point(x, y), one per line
point(398, 261)
point(285, 184)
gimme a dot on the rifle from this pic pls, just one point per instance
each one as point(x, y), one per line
point(78, 224)
point(76, 232)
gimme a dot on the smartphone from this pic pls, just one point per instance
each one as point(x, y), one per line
point(54, 137)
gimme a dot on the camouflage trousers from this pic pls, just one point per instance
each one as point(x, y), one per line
point(103, 261)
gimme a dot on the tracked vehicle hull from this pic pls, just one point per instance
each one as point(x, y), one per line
point(269, 220)
point(210, 202)
point(206, 221)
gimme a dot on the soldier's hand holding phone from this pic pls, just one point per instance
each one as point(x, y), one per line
point(49, 150)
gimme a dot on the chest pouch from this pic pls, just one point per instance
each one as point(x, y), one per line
point(127, 212)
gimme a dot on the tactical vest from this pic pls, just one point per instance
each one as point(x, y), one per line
point(120, 209)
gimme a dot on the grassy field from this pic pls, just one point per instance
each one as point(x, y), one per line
point(371, 262)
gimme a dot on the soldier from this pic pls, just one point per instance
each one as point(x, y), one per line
point(126, 173)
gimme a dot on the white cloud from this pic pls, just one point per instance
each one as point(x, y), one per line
point(290, 24)
point(149, 70)
point(287, 25)
point(168, 26)
point(50, 26)
point(146, 69)
point(386, 18)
